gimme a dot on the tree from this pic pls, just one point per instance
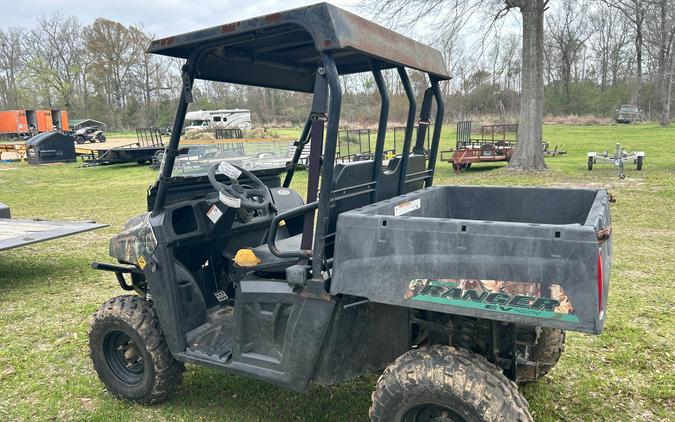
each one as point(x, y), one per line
point(529, 154)
point(118, 57)
point(568, 31)
point(634, 11)
point(453, 14)
point(609, 44)
point(11, 63)
point(54, 48)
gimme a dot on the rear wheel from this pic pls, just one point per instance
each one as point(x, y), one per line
point(129, 351)
point(590, 163)
point(80, 140)
point(639, 162)
point(546, 353)
point(442, 383)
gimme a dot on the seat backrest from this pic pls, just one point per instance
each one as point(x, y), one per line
point(348, 175)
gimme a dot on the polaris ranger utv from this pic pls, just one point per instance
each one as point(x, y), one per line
point(458, 291)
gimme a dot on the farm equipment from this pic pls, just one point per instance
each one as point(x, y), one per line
point(620, 157)
point(376, 268)
point(15, 233)
point(555, 152)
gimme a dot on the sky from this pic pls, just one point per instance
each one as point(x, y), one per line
point(160, 18)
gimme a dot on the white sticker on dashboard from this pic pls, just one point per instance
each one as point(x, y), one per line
point(214, 213)
point(407, 207)
point(230, 202)
point(229, 170)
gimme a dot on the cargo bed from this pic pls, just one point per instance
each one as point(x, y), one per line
point(535, 256)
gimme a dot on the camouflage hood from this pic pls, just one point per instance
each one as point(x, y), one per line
point(136, 241)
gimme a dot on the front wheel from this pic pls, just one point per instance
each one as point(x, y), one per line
point(80, 140)
point(639, 162)
point(590, 163)
point(129, 351)
point(442, 383)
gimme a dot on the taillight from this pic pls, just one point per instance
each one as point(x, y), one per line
point(599, 282)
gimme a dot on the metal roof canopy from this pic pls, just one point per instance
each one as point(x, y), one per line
point(283, 50)
point(80, 123)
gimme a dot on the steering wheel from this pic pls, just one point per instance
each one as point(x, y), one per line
point(244, 194)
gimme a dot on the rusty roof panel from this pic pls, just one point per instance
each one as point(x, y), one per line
point(290, 42)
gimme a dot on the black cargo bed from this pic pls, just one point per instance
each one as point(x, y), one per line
point(525, 255)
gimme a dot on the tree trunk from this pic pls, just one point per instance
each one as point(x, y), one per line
point(637, 89)
point(667, 86)
point(528, 154)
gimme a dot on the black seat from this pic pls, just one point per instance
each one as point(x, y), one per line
point(273, 263)
point(345, 176)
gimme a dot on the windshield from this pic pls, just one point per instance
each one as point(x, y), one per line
point(197, 160)
point(199, 123)
point(628, 109)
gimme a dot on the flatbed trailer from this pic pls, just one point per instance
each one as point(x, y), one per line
point(15, 233)
point(118, 155)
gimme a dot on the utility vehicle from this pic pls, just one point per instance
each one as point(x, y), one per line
point(457, 291)
point(89, 133)
point(627, 113)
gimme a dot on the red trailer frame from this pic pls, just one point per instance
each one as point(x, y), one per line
point(492, 146)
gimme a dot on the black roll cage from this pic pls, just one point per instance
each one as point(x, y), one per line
point(324, 113)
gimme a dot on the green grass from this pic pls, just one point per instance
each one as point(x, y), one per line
point(48, 293)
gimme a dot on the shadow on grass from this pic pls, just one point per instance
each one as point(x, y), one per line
point(20, 271)
point(204, 391)
point(115, 167)
point(483, 168)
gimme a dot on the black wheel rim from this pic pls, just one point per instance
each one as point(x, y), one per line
point(430, 412)
point(123, 357)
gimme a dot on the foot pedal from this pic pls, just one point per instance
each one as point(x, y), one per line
point(221, 296)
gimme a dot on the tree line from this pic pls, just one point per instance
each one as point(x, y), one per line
point(597, 55)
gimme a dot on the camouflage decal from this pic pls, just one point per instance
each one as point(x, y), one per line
point(520, 298)
point(135, 241)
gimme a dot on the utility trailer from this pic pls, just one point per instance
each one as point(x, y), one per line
point(456, 291)
point(15, 233)
point(493, 145)
point(147, 146)
point(620, 157)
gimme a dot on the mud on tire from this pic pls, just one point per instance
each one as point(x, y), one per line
point(129, 351)
point(448, 384)
point(546, 353)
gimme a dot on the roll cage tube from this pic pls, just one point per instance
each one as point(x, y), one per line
point(438, 125)
point(318, 119)
point(302, 141)
point(381, 127)
point(423, 123)
point(188, 72)
point(171, 150)
point(328, 164)
point(409, 126)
